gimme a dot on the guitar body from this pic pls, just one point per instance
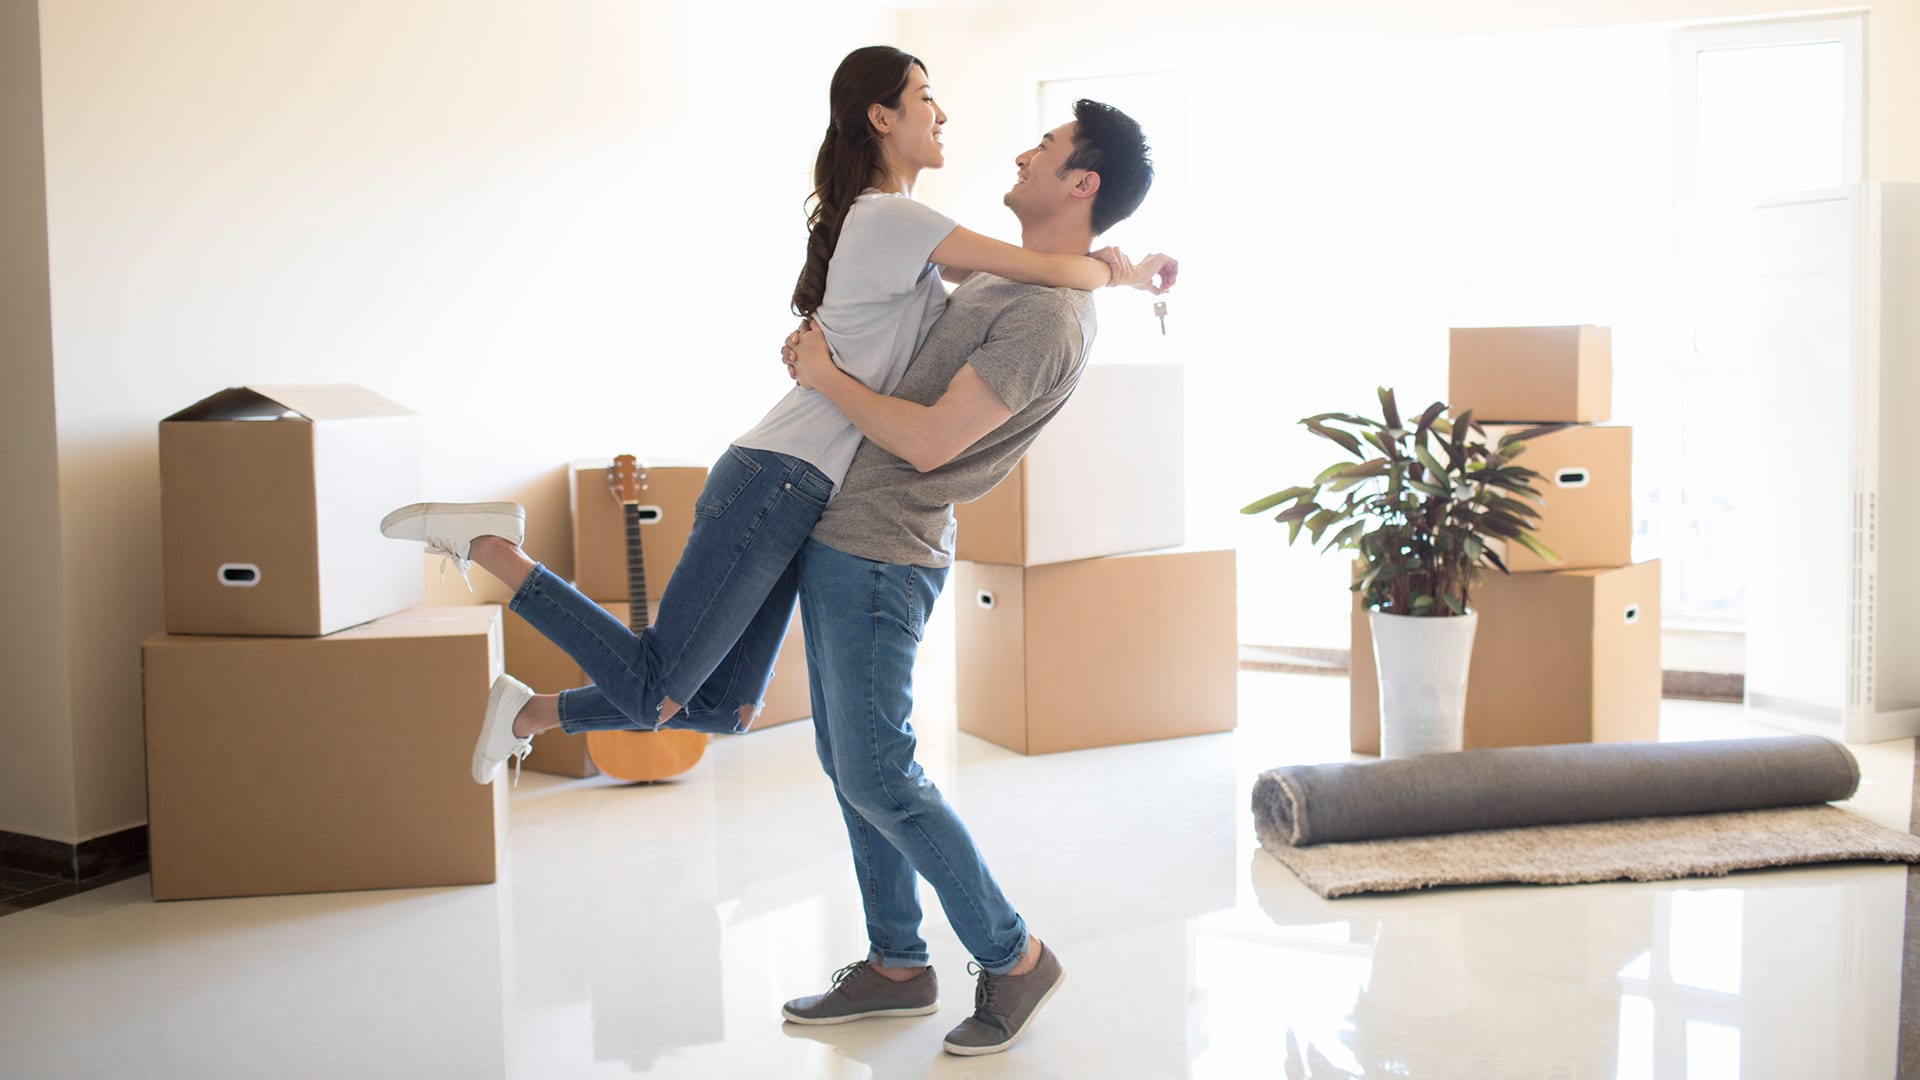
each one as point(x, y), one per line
point(640, 756)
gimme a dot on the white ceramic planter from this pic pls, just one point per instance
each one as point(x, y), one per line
point(1423, 681)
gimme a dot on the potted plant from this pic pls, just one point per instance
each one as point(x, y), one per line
point(1427, 506)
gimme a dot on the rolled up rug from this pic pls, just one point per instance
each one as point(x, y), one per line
point(1299, 805)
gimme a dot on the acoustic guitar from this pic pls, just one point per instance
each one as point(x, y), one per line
point(640, 756)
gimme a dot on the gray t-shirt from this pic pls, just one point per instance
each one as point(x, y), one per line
point(1029, 343)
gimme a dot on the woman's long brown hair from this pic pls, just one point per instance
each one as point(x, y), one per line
point(849, 157)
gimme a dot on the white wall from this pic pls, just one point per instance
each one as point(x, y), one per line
point(36, 769)
point(1350, 197)
point(554, 230)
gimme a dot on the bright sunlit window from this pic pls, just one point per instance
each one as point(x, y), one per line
point(1759, 110)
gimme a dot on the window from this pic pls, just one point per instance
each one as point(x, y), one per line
point(1759, 110)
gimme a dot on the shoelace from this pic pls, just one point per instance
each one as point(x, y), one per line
point(984, 990)
point(444, 549)
point(848, 972)
point(519, 752)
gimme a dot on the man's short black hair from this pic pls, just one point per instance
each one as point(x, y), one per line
point(1109, 142)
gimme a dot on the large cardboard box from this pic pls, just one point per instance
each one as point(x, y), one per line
point(600, 526)
point(1096, 652)
point(1106, 477)
point(1563, 657)
point(290, 765)
point(1531, 374)
point(270, 506)
point(1586, 495)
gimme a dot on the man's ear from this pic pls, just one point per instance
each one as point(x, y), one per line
point(1087, 186)
point(880, 117)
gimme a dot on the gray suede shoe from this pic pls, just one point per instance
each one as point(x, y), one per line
point(1003, 1006)
point(859, 992)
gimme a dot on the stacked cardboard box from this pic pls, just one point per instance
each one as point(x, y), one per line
point(600, 572)
point(1566, 651)
point(1079, 623)
point(295, 656)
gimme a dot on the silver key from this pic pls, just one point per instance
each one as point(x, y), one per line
point(1160, 312)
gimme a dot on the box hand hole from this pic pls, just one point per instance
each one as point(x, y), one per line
point(647, 514)
point(238, 575)
point(1632, 614)
point(1570, 478)
point(984, 599)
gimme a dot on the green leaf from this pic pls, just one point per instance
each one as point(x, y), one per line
point(1432, 463)
point(1427, 418)
point(1538, 548)
point(1318, 523)
point(1387, 408)
point(1530, 433)
point(1261, 506)
point(1355, 474)
point(1454, 605)
point(1296, 512)
point(1422, 605)
point(1344, 438)
point(1346, 536)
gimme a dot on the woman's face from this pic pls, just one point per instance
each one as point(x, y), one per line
point(912, 131)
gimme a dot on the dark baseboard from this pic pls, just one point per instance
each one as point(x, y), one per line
point(34, 870)
point(1691, 685)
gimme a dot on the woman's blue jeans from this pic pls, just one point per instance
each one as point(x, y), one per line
point(720, 621)
point(863, 623)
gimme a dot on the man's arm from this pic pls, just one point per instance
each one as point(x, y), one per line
point(924, 436)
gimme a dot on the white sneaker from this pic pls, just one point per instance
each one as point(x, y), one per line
point(497, 741)
point(448, 529)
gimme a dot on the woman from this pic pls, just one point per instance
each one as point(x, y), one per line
point(869, 283)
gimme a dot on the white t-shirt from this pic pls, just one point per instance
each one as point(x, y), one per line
point(882, 296)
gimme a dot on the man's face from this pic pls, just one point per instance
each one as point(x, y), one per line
point(1040, 189)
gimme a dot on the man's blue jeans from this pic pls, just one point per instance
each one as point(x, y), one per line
point(863, 622)
point(720, 620)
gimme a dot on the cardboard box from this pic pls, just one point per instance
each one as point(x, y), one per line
point(1587, 495)
point(1096, 652)
point(540, 664)
point(291, 765)
point(600, 526)
point(1531, 374)
point(1106, 477)
point(270, 506)
point(1564, 657)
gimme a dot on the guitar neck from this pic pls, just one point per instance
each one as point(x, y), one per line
point(638, 617)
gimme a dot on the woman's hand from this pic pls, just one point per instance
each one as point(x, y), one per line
point(1155, 273)
point(787, 347)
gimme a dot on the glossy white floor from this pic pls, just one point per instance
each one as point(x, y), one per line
point(655, 930)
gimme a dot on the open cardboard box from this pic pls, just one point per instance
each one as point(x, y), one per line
point(270, 506)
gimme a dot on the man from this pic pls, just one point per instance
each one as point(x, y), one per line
point(995, 368)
